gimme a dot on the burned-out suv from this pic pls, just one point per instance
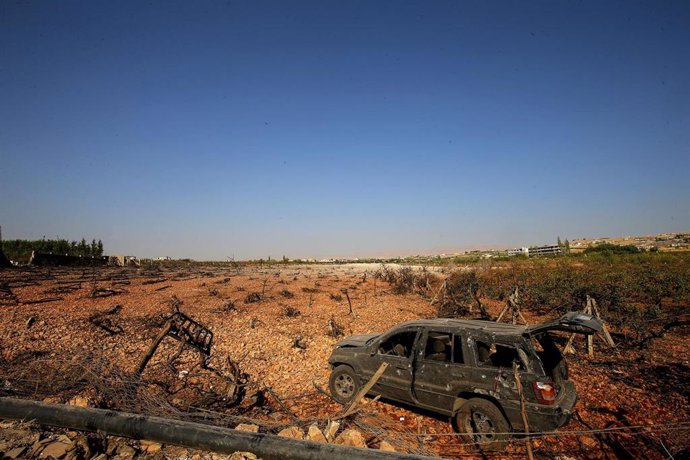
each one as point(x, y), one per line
point(464, 369)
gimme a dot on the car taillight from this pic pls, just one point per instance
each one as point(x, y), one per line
point(545, 392)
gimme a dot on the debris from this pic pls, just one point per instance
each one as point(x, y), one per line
point(30, 321)
point(292, 432)
point(298, 343)
point(154, 281)
point(247, 427)
point(46, 300)
point(287, 294)
point(15, 453)
point(334, 329)
point(331, 430)
point(103, 320)
point(150, 447)
point(350, 437)
point(79, 401)
point(175, 303)
point(228, 305)
point(386, 446)
point(181, 327)
point(291, 312)
point(315, 434)
point(56, 449)
point(242, 456)
point(252, 298)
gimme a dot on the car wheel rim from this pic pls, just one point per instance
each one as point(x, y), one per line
point(344, 386)
point(481, 427)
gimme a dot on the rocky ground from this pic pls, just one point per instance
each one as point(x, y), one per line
point(279, 324)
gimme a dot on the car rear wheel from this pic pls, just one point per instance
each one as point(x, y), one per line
point(343, 384)
point(484, 423)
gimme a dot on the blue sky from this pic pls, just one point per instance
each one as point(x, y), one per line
point(342, 128)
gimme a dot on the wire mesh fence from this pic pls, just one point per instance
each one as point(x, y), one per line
point(195, 396)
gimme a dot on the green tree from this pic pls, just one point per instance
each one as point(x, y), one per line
point(83, 248)
point(99, 249)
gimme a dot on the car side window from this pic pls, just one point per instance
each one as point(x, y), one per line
point(438, 346)
point(399, 344)
point(496, 355)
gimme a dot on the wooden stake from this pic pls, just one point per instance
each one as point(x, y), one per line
point(365, 389)
point(518, 384)
point(591, 308)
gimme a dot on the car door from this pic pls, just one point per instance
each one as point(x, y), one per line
point(441, 371)
point(396, 350)
point(494, 366)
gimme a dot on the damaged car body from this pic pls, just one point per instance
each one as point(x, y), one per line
point(464, 369)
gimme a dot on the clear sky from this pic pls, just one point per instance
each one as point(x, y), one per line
point(342, 128)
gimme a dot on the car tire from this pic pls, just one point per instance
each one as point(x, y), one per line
point(484, 424)
point(344, 384)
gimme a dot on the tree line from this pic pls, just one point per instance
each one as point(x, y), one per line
point(20, 250)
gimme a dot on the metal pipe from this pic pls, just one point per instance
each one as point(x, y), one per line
point(187, 434)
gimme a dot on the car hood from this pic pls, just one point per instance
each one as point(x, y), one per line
point(358, 340)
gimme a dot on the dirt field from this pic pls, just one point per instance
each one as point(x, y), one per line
point(633, 403)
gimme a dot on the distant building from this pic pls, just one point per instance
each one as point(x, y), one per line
point(518, 251)
point(545, 250)
point(123, 261)
point(536, 251)
point(163, 258)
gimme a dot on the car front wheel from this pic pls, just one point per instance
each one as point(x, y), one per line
point(344, 384)
point(484, 423)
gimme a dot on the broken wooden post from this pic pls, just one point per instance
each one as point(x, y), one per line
point(592, 309)
point(512, 305)
point(154, 346)
point(518, 384)
point(365, 389)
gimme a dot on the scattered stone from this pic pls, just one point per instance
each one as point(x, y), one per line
point(331, 430)
point(385, 445)
point(314, 434)
point(78, 401)
point(15, 453)
point(150, 447)
point(247, 427)
point(588, 441)
point(292, 432)
point(125, 451)
point(57, 449)
point(350, 437)
point(242, 456)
